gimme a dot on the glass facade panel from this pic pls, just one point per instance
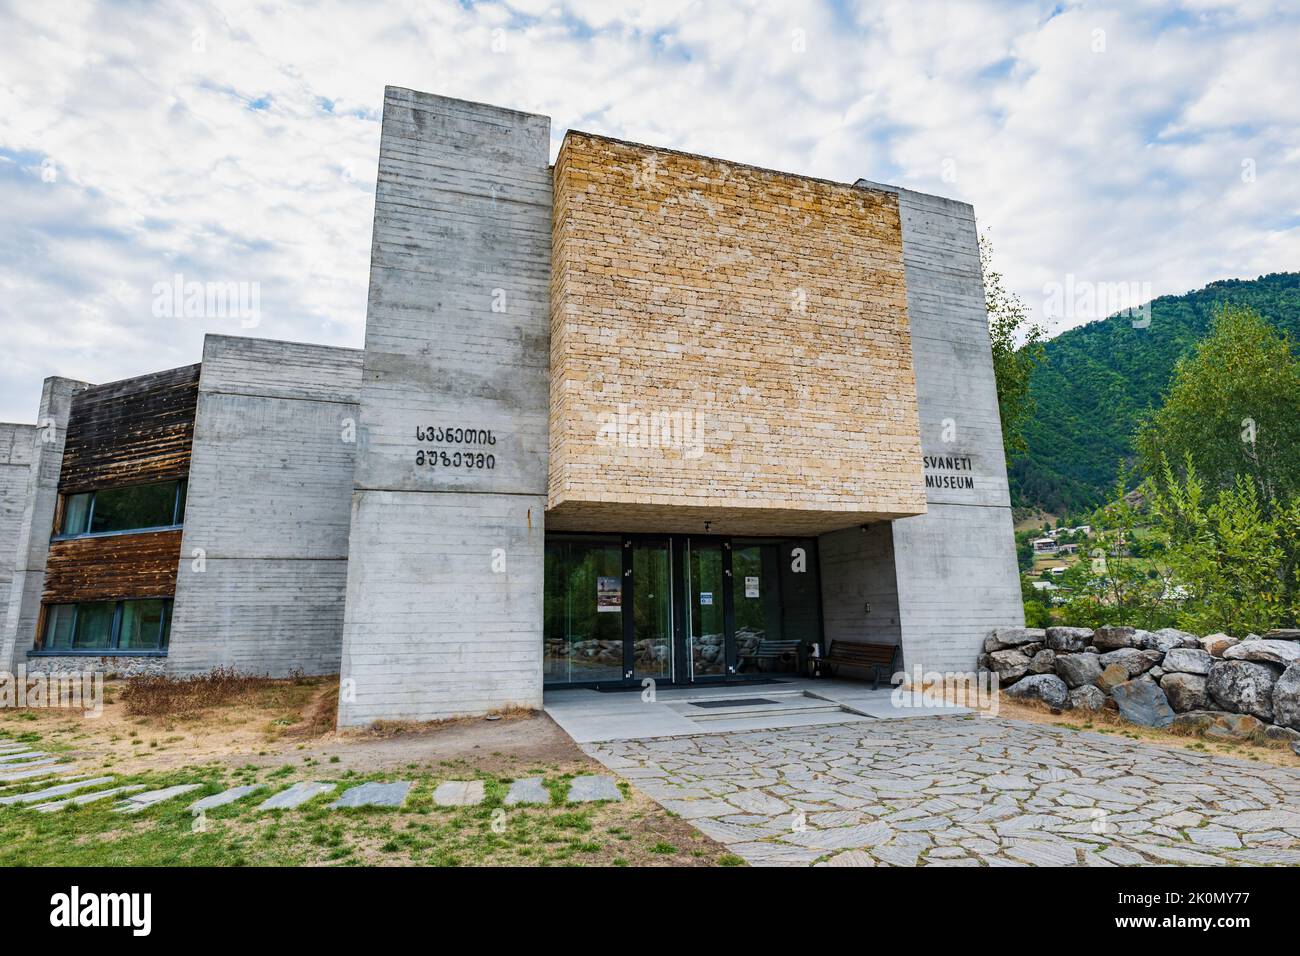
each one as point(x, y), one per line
point(58, 625)
point(76, 513)
point(704, 609)
point(138, 506)
point(108, 626)
point(652, 610)
point(143, 626)
point(94, 630)
point(776, 597)
point(583, 611)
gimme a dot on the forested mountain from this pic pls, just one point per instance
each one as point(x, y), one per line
point(1099, 380)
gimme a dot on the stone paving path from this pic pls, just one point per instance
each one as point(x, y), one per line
point(965, 791)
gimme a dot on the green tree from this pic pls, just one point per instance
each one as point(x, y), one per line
point(1234, 565)
point(1013, 361)
point(1232, 409)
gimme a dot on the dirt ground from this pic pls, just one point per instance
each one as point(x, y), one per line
point(291, 720)
point(1108, 722)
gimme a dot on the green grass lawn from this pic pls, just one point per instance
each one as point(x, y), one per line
point(419, 833)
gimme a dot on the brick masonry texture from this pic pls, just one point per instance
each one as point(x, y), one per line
point(769, 311)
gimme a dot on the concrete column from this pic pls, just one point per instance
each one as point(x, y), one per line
point(17, 445)
point(40, 499)
point(956, 564)
point(443, 610)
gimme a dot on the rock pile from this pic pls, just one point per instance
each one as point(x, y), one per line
point(1246, 689)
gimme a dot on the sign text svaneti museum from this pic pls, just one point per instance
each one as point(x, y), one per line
point(636, 414)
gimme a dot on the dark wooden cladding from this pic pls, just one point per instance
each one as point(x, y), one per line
point(112, 567)
point(131, 432)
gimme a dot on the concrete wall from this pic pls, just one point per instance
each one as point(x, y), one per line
point(766, 309)
point(264, 550)
point(18, 630)
point(444, 589)
point(956, 565)
point(17, 446)
point(859, 586)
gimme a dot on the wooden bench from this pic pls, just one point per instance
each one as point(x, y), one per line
point(773, 651)
point(877, 658)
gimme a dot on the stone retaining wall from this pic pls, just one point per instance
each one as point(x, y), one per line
point(1247, 689)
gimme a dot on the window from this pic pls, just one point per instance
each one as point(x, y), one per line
point(133, 508)
point(107, 626)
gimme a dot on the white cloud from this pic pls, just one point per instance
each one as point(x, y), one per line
point(237, 141)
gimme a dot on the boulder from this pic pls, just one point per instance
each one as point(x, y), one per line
point(1132, 660)
point(1185, 692)
point(991, 643)
point(1187, 660)
point(1029, 650)
point(1244, 687)
point(1111, 677)
point(1284, 734)
point(1286, 698)
point(1009, 665)
point(1216, 644)
point(1166, 638)
point(1014, 636)
point(1068, 640)
point(1048, 688)
point(1078, 669)
point(1143, 702)
point(1155, 673)
point(1044, 662)
point(1086, 697)
point(1284, 653)
point(1221, 726)
point(1277, 634)
point(1111, 638)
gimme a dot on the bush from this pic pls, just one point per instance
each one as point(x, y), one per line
point(150, 695)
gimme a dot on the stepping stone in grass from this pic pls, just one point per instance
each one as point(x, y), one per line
point(85, 798)
point(22, 755)
point(459, 793)
point(50, 792)
point(590, 789)
point(42, 770)
point(374, 795)
point(221, 799)
point(143, 801)
point(528, 790)
point(297, 795)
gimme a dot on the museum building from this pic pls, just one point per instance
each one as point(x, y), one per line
point(632, 414)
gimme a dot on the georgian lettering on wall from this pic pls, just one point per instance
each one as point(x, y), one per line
point(949, 472)
point(457, 448)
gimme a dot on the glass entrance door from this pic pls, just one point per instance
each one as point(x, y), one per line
point(652, 609)
point(708, 641)
point(621, 609)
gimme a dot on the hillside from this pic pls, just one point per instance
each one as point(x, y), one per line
point(1100, 379)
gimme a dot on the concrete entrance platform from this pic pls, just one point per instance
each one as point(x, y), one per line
point(590, 716)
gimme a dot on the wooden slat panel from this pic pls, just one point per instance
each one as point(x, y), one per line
point(112, 567)
point(132, 432)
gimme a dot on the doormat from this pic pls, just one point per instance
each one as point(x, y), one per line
point(732, 702)
point(637, 688)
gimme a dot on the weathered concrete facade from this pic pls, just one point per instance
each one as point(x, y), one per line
point(444, 592)
point(263, 562)
point(42, 500)
point(17, 446)
point(384, 513)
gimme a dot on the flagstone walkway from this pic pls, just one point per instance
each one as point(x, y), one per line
point(965, 791)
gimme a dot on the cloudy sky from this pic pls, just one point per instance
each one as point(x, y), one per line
point(1151, 144)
